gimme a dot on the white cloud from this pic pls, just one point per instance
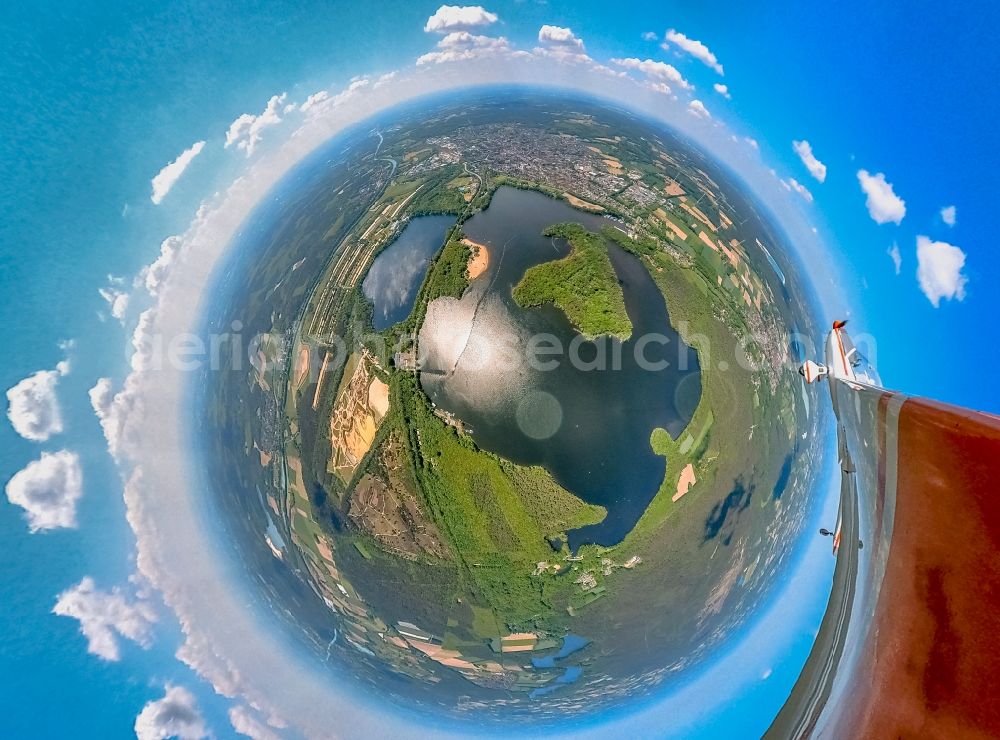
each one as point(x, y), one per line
point(655, 70)
point(462, 45)
point(897, 258)
point(466, 40)
point(169, 175)
point(245, 723)
point(660, 87)
point(176, 715)
point(353, 88)
point(793, 185)
point(752, 142)
point(153, 275)
point(697, 109)
point(939, 270)
point(322, 102)
point(384, 79)
point(449, 18)
point(105, 616)
point(562, 45)
point(816, 168)
point(114, 409)
point(649, 36)
point(314, 100)
point(48, 489)
point(101, 397)
point(559, 36)
point(723, 90)
point(695, 48)
point(102, 400)
point(883, 204)
point(117, 301)
point(116, 298)
point(32, 405)
point(948, 214)
point(246, 131)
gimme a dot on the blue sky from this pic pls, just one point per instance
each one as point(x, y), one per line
point(98, 100)
point(104, 97)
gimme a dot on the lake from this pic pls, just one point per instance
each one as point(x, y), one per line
point(397, 272)
point(586, 420)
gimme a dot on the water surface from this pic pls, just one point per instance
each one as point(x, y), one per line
point(396, 274)
point(587, 422)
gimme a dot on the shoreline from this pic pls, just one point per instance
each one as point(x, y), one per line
point(479, 260)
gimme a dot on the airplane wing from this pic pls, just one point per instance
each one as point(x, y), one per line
point(910, 642)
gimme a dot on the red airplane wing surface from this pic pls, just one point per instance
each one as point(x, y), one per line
point(910, 643)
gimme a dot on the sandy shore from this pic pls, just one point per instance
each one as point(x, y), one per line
point(585, 205)
point(479, 260)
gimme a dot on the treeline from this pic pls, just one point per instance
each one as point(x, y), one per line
point(436, 198)
point(495, 514)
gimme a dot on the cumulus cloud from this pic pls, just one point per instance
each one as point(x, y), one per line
point(895, 256)
point(660, 87)
point(153, 275)
point(245, 723)
point(176, 715)
point(793, 185)
point(105, 616)
point(384, 79)
point(314, 101)
point(939, 270)
point(167, 177)
point(695, 48)
point(462, 45)
point(563, 45)
point(247, 131)
point(450, 18)
point(353, 88)
point(113, 409)
point(116, 297)
point(33, 407)
point(649, 36)
point(559, 36)
point(697, 109)
point(816, 168)
point(48, 489)
point(322, 102)
point(101, 397)
point(654, 70)
point(948, 214)
point(723, 90)
point(883, 204)
point(752, 142)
